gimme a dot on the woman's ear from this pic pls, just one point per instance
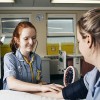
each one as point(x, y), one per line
point(16, 40)
point(89, 40)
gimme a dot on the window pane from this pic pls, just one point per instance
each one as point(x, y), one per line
point(60, 39)
point(9, 24)
point(60, 25)
point(54, 44)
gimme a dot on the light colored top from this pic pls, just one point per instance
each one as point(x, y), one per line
point(15, 65)
point(92, 82)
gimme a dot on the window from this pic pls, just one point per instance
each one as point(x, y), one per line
point(61, 29)
point(8, 22)
point(61, 24)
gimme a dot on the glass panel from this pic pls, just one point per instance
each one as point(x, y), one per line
point(9, 24)
point(7, 40)
point(60, 25)
point(54, 44)
point(60, 39)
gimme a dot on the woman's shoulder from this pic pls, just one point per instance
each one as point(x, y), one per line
point(37, 55)
point(9, 54)
point(90, 76)
point(92, 72)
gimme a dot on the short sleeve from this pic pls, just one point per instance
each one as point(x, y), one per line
point(9, 66)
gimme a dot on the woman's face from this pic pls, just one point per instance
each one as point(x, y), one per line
point(27, 40)
point(83, 46)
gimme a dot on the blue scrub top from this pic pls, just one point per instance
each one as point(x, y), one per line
point(15, 65)
point(92, 82)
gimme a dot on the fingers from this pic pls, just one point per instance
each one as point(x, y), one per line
point(48, 88)
point(60, 86)
point(55, 87)
point(52, 88)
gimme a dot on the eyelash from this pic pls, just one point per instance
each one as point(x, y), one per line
point(27, 38)
point(33, 38)
point(78, 42)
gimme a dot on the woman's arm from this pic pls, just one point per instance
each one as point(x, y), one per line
point(15, 84)
point(73, 91)
point(76, 90)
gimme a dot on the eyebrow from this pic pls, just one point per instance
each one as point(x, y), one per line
point(29, 36)
point(34, 36)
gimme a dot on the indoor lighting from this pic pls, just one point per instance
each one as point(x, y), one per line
point(6, 1)
point(76, 1)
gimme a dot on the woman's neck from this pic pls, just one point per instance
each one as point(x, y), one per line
point(97, 60)
point(25, 54)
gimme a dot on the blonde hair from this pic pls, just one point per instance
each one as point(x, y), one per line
point(90, 23)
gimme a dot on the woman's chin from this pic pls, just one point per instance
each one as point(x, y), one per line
point(29, 50)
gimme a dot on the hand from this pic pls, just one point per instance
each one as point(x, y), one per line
point(59, 86)
point(51, 88)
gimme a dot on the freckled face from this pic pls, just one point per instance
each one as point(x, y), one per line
point(27, 39)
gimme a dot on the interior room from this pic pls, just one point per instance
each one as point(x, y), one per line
point(56, 34)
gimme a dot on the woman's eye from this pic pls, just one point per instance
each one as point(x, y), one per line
point(78, 42)
point(33, 38)
point(25, 38)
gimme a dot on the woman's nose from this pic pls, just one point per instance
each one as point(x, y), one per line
point(30, 41)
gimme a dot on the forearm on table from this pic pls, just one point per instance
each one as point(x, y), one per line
point(18, 85)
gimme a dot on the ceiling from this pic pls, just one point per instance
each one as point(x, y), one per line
point(43, 3)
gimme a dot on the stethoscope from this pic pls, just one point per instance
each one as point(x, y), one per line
point(36, 46)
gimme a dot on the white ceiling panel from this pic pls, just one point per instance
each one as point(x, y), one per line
point(43, 3)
